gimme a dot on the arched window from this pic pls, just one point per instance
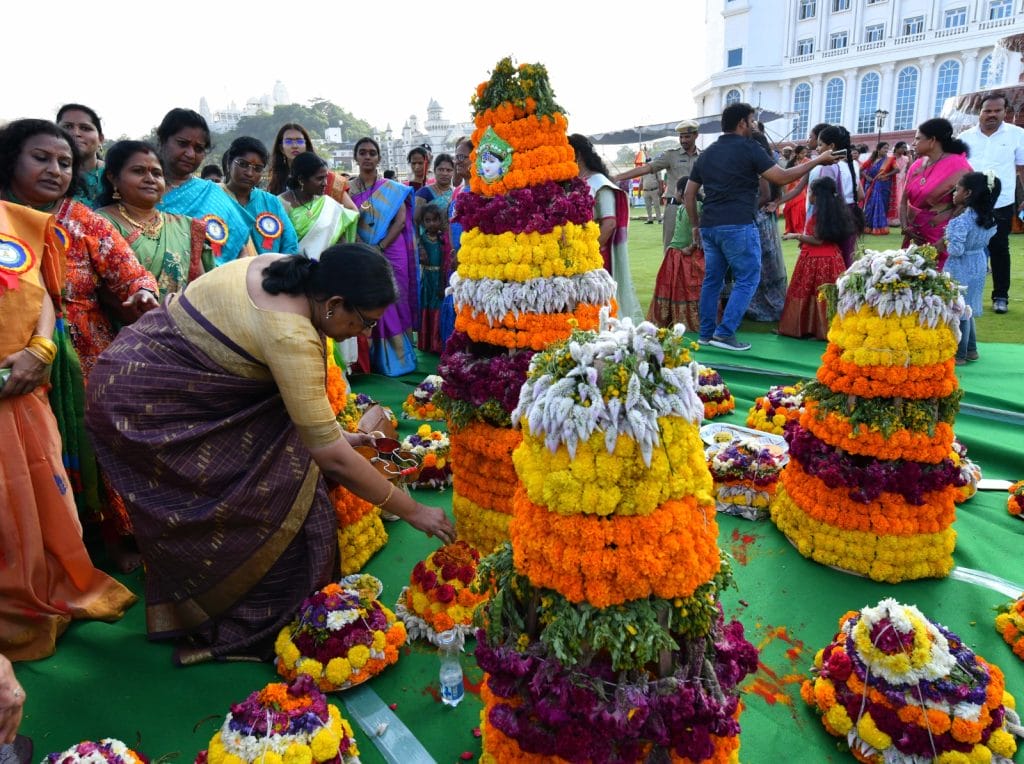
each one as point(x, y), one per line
point(835, 88)
point(802, 107)
point(733, 96)
point(991, 72)
point(867, 103)
point(906, 99)
point(946, 84)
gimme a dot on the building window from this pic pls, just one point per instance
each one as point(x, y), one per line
point(913, 25)
point(990, 75)
point(807, 9)
point(802, 107)
point(867, 103)
point(874, 33)
point(906, 99)
point(946, 84)
point(838, 40)
point(835, 88)
point(955, 17)
point(1000, 9)
point(875, 2)
point(733, 96)
point(840, 5)
point(734, 57)
point(805, 47)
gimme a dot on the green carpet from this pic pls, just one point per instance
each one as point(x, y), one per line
point(107, 680)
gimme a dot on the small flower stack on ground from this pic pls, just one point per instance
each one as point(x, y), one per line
point(970, 472)
point(1015, 501)
point(283, 724)
point(1010, 623)
point(870, 486)
point(420, 403)
point(745, 474)
point(900, 689)
point(772, 411)
point(714, 393)
point(529, 271)
point(341, 636)
point(602, 638)
point(106, 751)
point(432, 450)
point(438, 597)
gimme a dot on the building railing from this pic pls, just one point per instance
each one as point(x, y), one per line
point(835, 52)
point(996, 23)
point(870, 45)
point(909, 38)
point(951, 31)
point(801, 59)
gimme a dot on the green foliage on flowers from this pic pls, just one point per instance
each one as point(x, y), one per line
point(460, 413)
point(633, 635)
point(887, 415)
point(514, 84)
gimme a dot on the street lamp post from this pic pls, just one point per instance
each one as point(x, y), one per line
point(880, 115)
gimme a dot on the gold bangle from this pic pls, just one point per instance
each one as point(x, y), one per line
point(37, 355)
point(47, 350)
point(387, 498)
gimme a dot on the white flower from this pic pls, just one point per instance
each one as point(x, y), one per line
point(339, 619)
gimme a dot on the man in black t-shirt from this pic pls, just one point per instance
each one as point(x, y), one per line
point(729, 171)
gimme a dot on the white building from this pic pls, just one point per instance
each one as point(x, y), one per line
point(226, 119)
point(844, 61)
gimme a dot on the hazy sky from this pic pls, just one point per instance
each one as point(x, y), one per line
point(612, 64)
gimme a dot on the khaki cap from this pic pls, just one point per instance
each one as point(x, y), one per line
point(688, 126)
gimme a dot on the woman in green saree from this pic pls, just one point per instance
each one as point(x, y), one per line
point(318, 219)
point(172, 247)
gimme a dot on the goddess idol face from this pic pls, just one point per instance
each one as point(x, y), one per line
point(489, 166)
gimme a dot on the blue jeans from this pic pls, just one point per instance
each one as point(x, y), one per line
point(728, 246)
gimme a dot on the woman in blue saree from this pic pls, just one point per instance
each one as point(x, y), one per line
point(244, 164)
point(184, 142)
point(878, 174)
point(386, 222)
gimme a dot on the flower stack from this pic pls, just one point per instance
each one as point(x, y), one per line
point(1010, 623)
point(529, 271)
point(361, 533)
point(870, 486)
point(432, 450)
point(420, 403)
point(283, 723)
point(106, 751)
point(1015, 501)
point(970, 472)
point(438, 597)
point(714, 393)
point(898, 688)
point(746, 474)
point(341, 637)
point(602, 638)
point(781, 405)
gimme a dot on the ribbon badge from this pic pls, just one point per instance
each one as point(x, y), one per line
point(16, 258)
point(269, 224)
point(62, 235)
point(216, 232)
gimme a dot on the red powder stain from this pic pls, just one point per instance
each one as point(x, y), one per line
point(433, 692)
point(471, 686)
point(775, 685)
point(741, 542)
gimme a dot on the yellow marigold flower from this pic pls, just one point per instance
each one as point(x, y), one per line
point(838, 719)
point(298, 754)
point(269, 757)
point(358, 656)
point(314, 668)
point(1001, 743)
point(871, 734)
point(338, 671)
point(325, 744)
point(230, 758)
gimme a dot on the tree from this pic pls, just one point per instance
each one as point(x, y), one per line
point(625, 155)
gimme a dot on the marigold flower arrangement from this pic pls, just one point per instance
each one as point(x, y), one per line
point(530, 272)
point(899, 688)
point(438, 597)
point(420, 403)
point(432, 449)
point(106, 751)
point(745, 475)
point(781, 405)
point(341, 637)
point(1010, 624)
point(283, 724)
point(602, 637)
point(970, 472)
point(714, 393)
point(1015, 502)
point(871, 486)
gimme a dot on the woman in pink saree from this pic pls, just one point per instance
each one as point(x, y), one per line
point(927, 204)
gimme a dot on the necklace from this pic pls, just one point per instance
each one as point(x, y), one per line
point(149, 228)
point(926, 170)
point(299, 204)
point(366, 206)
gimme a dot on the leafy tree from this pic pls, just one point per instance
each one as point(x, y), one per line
point(625, 155)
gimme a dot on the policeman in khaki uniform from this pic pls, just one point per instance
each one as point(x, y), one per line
point(677, 163)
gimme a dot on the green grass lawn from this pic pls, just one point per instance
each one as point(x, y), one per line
point(645, 254)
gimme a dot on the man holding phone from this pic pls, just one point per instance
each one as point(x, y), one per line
point(730, 171)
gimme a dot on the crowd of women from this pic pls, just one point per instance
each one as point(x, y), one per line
point(929, 190)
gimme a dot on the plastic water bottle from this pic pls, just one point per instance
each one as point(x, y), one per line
point(449, 646)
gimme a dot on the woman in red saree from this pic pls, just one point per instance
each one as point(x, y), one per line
point(927, 204)
point(795, 207)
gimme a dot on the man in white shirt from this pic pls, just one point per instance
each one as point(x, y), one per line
point(998, 146)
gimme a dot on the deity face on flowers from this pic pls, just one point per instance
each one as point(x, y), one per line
point(490, 166)
point(493, 157)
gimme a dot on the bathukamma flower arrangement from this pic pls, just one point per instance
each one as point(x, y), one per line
point(1015, 501)
point(602, 638)
point(871, 486)
point(900, 689)
point(772, 411)
point(970, 472)
point(530, 271)
point(432, 451)
point(420, 403)
point(1010, 623)
point(745, 474)
point(283, 724)
point(714, 393)
point(438, 597)
point(341, 636)
point(106, 751)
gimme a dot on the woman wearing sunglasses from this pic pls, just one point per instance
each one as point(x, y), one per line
point(213, 420)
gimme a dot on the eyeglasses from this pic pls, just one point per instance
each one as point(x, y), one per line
point(244, 166)
point(294, 142)
point(462, 157)
point(367, 324)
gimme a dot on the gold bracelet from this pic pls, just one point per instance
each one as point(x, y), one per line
point(42, 348)
point(387, 498)
point(37, 355)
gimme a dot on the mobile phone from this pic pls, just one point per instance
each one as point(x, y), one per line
point(5, 374)
point(839, 154)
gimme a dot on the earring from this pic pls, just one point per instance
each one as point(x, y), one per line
point(116, 195)
point(330, 313)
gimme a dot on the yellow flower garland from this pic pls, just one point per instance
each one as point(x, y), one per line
point(358, 542)
point(567, 251)
point(482, 528)
point(881, 557)
point(323, 746)
point(602, 483)
point(866, 339)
